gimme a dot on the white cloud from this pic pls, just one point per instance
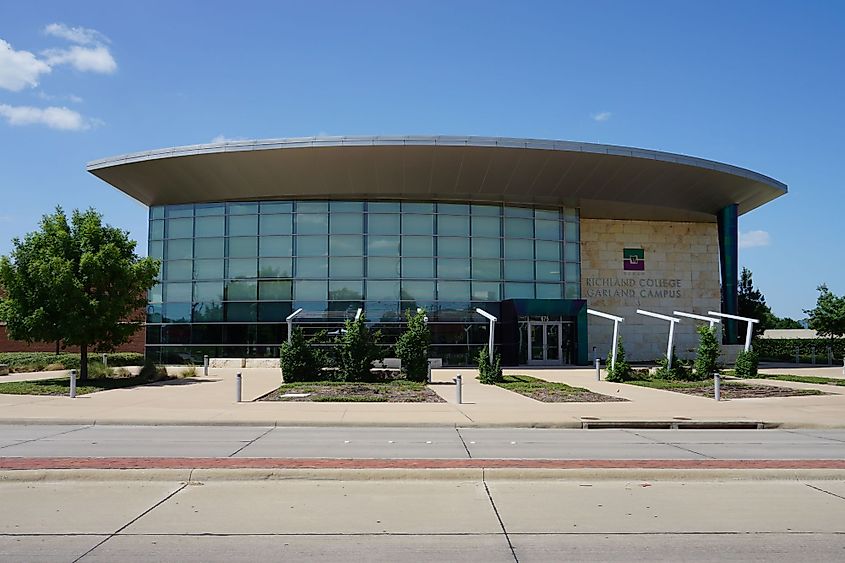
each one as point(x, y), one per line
point(51, 97)
point(78, 35)
point(223, 139)
point(602, 116)
point(53, 117)
point(753, 239)
point(19, 69)
point(85, 59)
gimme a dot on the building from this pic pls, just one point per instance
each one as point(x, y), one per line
point(530, 231)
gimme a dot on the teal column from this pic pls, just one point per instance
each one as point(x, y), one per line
point(581, 323)
point(729, 264)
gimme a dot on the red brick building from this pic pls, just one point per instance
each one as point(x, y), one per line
point(135, 344)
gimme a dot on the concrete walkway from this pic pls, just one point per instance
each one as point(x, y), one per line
point(211, 400)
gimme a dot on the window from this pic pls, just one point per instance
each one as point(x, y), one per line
point(346, 267)
point(275, 246)
point(453, 225)
point(379, 224)
point(453, 247)
point(243, 267)
point(209, 247)
point(210, 227)
point(312, 224)
point(275, 224)
point(243, 247)
point(312, 245)
point(312, 267)
point(245, 225)
point(383, 267)
point(486, 226)
point(382, 245)
point(275, 290)
point(417, 224)
point(307, 290)
point(343, 223)
point(417, 268)
point(519, 228)
point(346, 245)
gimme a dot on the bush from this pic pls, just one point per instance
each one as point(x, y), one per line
point(488, 373)
point(783, 349)
point(98, 370)
point(621, 370)
point(37, 361)
point(357, 350)
point(412, 346)
point(746, 364)
point(190, 371)
point(299, 359)
point(680, 371)
point(152, 372)
point(707, 356)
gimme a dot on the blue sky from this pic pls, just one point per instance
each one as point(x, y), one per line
point(755, 84)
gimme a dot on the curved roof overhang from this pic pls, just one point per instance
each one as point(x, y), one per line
point(605, 181)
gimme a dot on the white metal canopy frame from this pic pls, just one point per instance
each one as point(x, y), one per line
point(616, 320)
point(710, 320)
point(289, 320)
point(492, 320)
point(672, 322)
point(749, 329)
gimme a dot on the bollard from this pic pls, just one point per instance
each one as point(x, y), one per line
point(829, 356)
point(797, 355)
point(205, 365)
point(598, 369)
point(73, 384)
point(239, 380)
point(595, 353)
point(717, 387)
point(429, 370)
point(105, 360)
point(458, 385)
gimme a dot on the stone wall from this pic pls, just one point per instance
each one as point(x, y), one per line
point(680, 272)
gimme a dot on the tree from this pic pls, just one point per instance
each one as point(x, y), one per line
point(828, 316)
point(78, 281)
point(751, 303)
point(300, 359)
point(489, 372)
point(707, 356)
point(412, 346)
point(620, 371)
point(357, 349)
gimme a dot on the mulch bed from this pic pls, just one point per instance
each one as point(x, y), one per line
point(397, 392)
point(552, 392)
point(745, 391)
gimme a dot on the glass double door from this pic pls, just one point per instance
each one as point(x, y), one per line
point(545, 342)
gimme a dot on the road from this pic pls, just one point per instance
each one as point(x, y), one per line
point(468, 514)
point(37, 441)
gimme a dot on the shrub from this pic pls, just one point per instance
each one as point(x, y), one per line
point(356, 351)
point(680, 371)
point(747, 364)
point(37, 361)
point(98, 370)
point(621, 370)
point(412, 346)
point(299, 359)
point(489, 373)
point(190, 371)
point(152, 372)
point(707, 356)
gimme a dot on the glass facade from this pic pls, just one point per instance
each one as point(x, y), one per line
point(231, 272)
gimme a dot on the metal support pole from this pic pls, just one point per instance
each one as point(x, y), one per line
point(106, 360)
point(239, 381)
point(598, 369)
point(205, 365)
point(748, 332)
point(72, 383)
point(615, 344)
point(671, 344)
point(717, 387)
point(458, 385)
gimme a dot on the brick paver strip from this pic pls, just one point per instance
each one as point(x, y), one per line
point(295, 463)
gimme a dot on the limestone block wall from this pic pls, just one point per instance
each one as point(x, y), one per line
point(680, 272)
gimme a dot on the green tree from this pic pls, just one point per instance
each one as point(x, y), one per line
point(412, 346)
point(357, 348)
point(752, 304)
point(827, 318)
point(300, 359)
point(621, 371)
point(707, 356)
point(489, 372)
point(79, 281)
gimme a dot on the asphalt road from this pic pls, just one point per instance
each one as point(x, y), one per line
point(417, 443)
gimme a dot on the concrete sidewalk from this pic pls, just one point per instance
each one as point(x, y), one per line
point(211, 401)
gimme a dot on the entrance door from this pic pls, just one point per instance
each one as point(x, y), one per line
point(544, 342)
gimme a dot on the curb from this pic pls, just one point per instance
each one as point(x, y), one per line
point(634, 477)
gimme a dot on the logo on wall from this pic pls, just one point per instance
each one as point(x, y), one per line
point(633, 259)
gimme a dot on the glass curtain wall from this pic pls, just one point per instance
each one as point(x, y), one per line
point(231, 272)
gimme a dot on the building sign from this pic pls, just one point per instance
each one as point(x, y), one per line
point(633, 259)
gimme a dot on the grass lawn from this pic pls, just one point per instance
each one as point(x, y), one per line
point(61, 385)
point(729, 389)
point(801, 379)
point(550, 392)
point(343, 392)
